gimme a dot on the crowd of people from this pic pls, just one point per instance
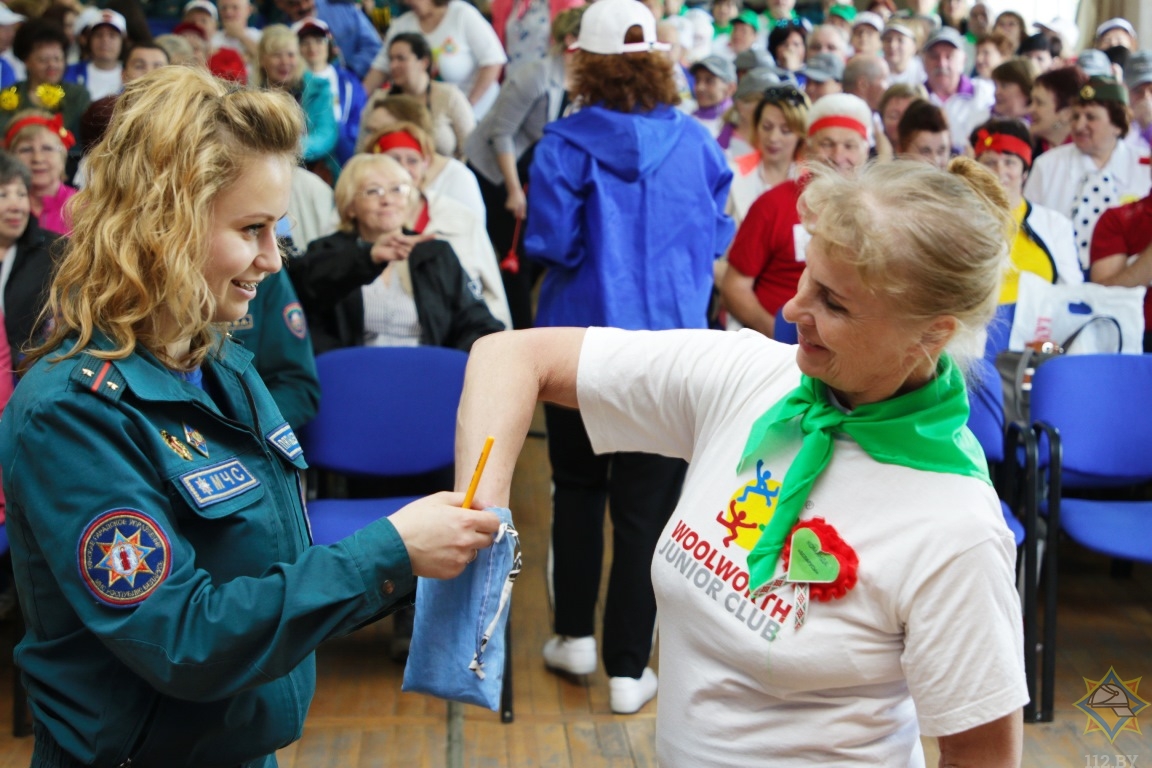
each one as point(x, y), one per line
point(878, 178)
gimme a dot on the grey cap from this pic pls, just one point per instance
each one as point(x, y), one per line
point(823, 67)
point(755, 82)
point(717, 65)
point(900, 29)
point(1139, 69)
point(1094, 63)
point(945, 35)
point(754, 58)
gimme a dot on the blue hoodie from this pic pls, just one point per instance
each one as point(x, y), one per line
point(627, 212)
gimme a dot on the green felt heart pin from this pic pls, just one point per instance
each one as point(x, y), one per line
point(808, 562)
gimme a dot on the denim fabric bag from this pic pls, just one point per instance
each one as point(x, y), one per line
point(457, 649)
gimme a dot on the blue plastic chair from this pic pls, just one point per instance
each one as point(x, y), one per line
point(1016, 486)
point(1094, 432)
point(784, 331)
point(384, 412)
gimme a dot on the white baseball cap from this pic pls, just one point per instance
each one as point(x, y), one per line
point(202, 5)
point(1117, 23)
point(9, 17)
point(1065, 29)
point(90, 18)
point(873, 20)
point(606, 22)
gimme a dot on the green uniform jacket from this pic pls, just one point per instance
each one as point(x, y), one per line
point(276, 332)
point(163, 562)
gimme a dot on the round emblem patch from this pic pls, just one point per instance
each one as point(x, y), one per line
point(124, 556)
point(294, 319)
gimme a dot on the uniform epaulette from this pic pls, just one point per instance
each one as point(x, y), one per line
point(98, 376)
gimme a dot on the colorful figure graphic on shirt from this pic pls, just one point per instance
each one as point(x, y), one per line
point(750, 509)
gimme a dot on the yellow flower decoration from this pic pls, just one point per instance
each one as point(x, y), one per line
point(9, 101)
point(50, 95)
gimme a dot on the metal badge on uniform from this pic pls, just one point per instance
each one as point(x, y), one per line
point(196, 440)
point(294, 319)
point(177, 446)
point(283, 439)
point(218, 482)
point(124, 556)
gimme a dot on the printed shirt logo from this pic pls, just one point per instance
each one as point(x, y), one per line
point(1112, 705)
point(124, 556)
point(218, 482)
point(750, 509)
point(284, 440)
point(294, 319)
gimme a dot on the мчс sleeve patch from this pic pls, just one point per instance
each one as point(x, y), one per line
point(124, 556)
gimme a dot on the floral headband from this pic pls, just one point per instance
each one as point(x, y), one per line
point(54, 124)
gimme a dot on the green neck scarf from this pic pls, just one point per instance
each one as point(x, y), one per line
point(924, 429)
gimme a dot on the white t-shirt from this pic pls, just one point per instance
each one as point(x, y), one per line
point(928, 641)
point(102, 82)
point(462, 43)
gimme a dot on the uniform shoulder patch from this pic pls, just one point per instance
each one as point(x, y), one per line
point(284, 440)
point(98, 376)
point(294, 319)
point(124, 555)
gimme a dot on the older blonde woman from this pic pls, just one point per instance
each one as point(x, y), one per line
point(158, 533)
point(837, 578)
point(377, 283)
point(40, 141)
point(281, 67)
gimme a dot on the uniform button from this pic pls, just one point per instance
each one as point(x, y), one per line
point(388, 587)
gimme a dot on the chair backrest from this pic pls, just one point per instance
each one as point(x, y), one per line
point(1099, 403)
point(999, 330)
point(986, 409)
point(784, 331)
point(387, 411)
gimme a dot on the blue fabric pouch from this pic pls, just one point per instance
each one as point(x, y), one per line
point(457, 649)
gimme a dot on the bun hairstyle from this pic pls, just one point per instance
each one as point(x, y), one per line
point(935, 243)
point(143, 224)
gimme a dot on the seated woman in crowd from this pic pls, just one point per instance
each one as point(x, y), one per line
point(440, 213)
point(39, 140)
point(410, 62)
point(778, 125)
point(1044, 243)
point(377, 283)
point(282, 68)
point(41, 45)
point(858, 587)
point(923, 134)
point(1098, 170)
point(470, 54)
point(316, 49)
point(439, 173)
point(30, 251)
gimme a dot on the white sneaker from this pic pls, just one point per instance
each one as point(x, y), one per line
point(574, 655)
point(627, 695)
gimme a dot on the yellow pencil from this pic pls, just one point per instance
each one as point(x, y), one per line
point(479, 471)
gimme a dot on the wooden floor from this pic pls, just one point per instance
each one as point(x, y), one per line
point(359, 718)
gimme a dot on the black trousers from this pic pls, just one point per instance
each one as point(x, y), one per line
point(641, 491)
point(501, 226)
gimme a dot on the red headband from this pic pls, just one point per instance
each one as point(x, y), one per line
point(839, 121)
point(397, 140)
point(1002, 142)
point(54, 124)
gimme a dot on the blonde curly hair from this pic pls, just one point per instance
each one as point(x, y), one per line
point(143, 224)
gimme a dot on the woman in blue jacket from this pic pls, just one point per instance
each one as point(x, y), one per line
point(626, 209)
point(160, 547)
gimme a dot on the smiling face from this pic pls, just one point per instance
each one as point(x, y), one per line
point(988, 57)
point(281, 66)
point(945, 65)
point(850, 338)
point(1009, 168)
point(42, 152)
point(381, 202)
point(898, 50)
point(842, 148)
point(1011, 101)
point(15, 209)
point(711, 90)
point(242, 249)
